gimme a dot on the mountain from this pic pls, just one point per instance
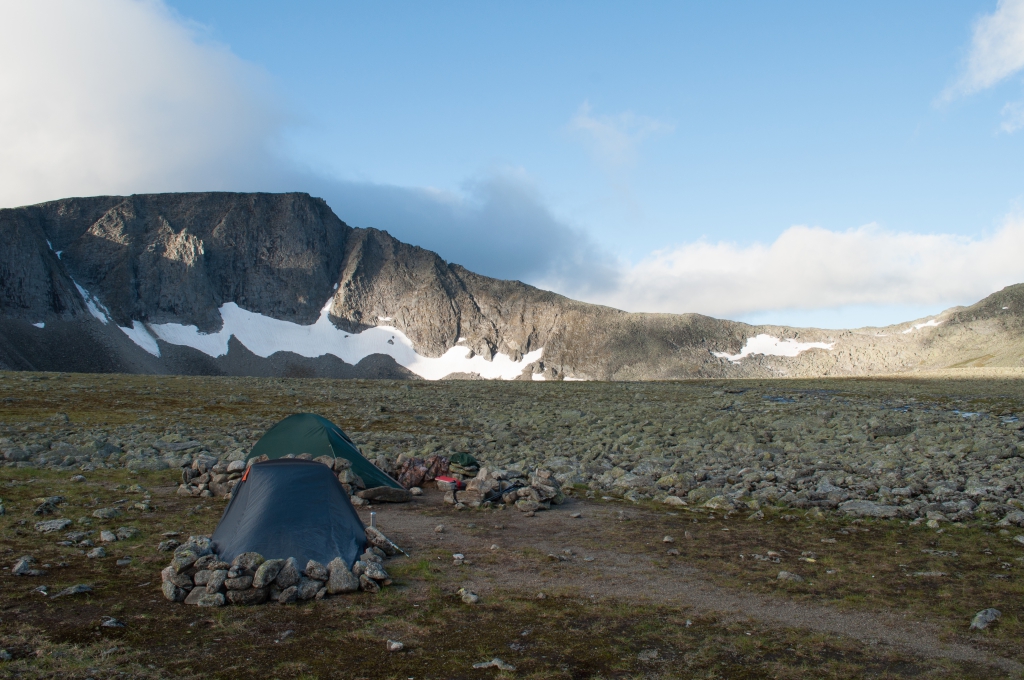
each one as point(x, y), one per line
point(278, 285)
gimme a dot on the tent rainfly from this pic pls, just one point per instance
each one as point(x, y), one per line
point(315, 435)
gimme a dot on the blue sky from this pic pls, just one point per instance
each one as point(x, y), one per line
point(793, 162)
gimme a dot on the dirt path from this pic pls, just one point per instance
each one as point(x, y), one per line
point(617, 572)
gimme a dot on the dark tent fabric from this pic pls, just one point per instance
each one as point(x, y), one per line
point(310, 433)
point(290, 508)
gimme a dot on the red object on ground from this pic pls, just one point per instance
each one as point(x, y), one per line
point(458, 485)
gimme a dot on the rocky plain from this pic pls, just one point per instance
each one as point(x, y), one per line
point(724, 528)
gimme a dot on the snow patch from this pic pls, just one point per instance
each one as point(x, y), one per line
point(772, 346)
point(264, 335)
point(538, 377)
point(48, 244)
point(40, 324)
point(96, 307)
point(142, 337)
point(385, 318)
point(919, 326)
point(58, 253)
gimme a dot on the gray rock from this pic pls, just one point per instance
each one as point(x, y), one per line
point(126, 533)
point(368, 584)
point(239, 582)
point(51, 525)
point(183, 560)
point(307, 588)
point(79, 589)
point(341, 578)
point(211, 600)
point(289, 574)
point(194, 595)
point(288, 595)
point(495, 663)
point(107, 513)
point(378, 540)
point(375, 571)
point(861, 508)
point(251, 596)
point(23, 567)
point(789, 576)
point(385, 494)
point(97, 553)
point(173, 592)
point(169, 575)
point(985, 618)
point(248, 561)
point(215, 583)
point(202, 577)
point(266, 573)
point(108, 536)
point(168, 545)
point(315, 570)
point(124, 562)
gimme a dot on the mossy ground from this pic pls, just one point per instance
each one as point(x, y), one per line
point(568, 634)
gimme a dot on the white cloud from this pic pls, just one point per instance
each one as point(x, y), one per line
point(119, 96)
point(1013, 117)
point(613, 140)
point(997, 49)
point(809, 268)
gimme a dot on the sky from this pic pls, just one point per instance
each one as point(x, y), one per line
point(801, 163)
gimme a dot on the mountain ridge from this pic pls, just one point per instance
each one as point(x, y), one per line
point(111, 278)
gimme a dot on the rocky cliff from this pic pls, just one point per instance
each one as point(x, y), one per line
point(277, 284)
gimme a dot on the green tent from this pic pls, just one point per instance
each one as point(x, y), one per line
point(309, 433)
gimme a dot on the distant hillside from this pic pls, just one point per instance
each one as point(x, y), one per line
point(278, 285)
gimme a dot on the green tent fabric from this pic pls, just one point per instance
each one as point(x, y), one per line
point(309, 433)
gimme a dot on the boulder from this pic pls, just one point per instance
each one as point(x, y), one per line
point(239, 582)
point(341, 579)
point(315, 570)
point(173, 592)
point(248, 561)
point(248, 597)
point(288, 595)
point(216, 581)
point(307, 588)
point(289, 574)
point(861, 508)
point(385, 494)
point(210, 600)
point(266, 573)
point(51, 525)
point(170, 575)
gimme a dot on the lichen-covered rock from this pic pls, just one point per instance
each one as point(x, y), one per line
point(248, 561)
point(307, 588)
point(368, 584)
point(266, 573)
point(171, 575)
point(249, 596)
point(862, 508)
point(288, 595)
point(211, 600)
point(216, 581)
point(173, 592)
point(341, 579)
point(289, 574)
point(315, 570)
point(243, 582)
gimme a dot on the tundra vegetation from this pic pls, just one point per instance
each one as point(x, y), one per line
point(800, 528)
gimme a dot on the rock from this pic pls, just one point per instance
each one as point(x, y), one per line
point(168, 545)
point(107, 513)
point(96, 553)
point(236, 466)
point(169, 575)
point(368, 584)
point(126, 533)
point(51, 525)
point(210, 600)
point(266, 573)
point(1014, 517)
point(194, 595)
point(173, 592)
point(528, 505)
point(23, 567)
point(288, 595)
point(202, 577)
point(243, 582)
point(674, 500)
point(250, 596)
point(719, 503)
point(668, 539)
point(468, 596)
point(183, 560)
point(985, 618)
point(111, 622)
point(495, 663)
point(315, 570)
point(289, 574)
point(861, 508)
point(79, 589)
point(788, 576)
point(378, 540)
point(395, 646)
point(341, 579)
point(439, 529)
point(124, 562)
point(415, 491)
point(216, 581)
point(108, 536)
point(307, 588)
point(375, 571)
point(1018, 539)
point(385, 494)
point(248, 561)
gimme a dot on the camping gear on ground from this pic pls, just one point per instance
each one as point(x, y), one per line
point(445, 483)
point(290, 508)
point(317, 436)
point(463, 464)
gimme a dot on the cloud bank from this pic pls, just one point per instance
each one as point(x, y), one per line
point(997, 49)
point(808, 268)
